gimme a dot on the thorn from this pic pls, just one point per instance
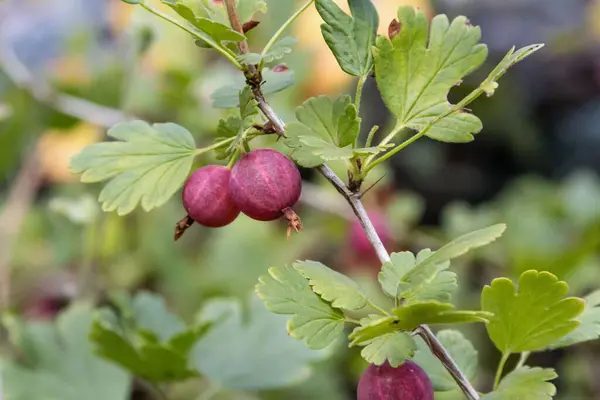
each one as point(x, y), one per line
point(182, 225)
point(371, 187)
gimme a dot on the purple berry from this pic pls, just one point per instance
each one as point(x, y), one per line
point(206, 197)
point(406, 382)
point(358, 238)
point(265, 184)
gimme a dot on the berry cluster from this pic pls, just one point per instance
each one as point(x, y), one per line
point(264, 184)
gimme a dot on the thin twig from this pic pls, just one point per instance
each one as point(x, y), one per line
point(442, 354)
point(12, 217)
point(39, 89)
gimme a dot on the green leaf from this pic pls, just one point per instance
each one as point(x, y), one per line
point(460, 349)
point(250, 58)
point(350, 38)
point(326, 130)
point(525, 383)
point(372, 327)
point(238, 353)
point(230, 127)
point(531, 317)
point(464, 244)
point(415, 71)
point(151, 342)
point(147, 165)
point(133, 1)
point(589, 323)
point(402, 279)
point(228, 96)
point(248, 8)
point(395, 347)
point(286, 291)
point(280, 49)
point(434, 312)
point(62, 363)
point(333, 287)
point(490, 84)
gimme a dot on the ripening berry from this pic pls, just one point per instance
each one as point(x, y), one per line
point(264, 183)
point(206, 197)
point(406, 382)
point(358, 238)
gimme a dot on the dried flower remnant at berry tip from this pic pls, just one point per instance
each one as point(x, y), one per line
point(265, 185)
point(207, 200)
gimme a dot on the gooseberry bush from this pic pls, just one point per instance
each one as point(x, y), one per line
point(415, 67)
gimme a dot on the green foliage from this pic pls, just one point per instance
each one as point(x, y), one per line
point(350, 38)
point(525, 383)
point(133, 1)
point(280, 49)
point(435, 312)
point(228, 96)
point(326, 130)
point(589, 323)
point(237, 126)
point(395, 347)
point(465, 243)
point(404, 278)
point(460, 349)
point(371, 327)
point(531, 317)
point(285, 291)
point(147, 165)
point(238, 353)
point(443, 59)
point(490, 84)
point(147, 339)
point(61, 363)
point(333, 287)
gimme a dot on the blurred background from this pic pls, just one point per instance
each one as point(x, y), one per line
point(71, 68)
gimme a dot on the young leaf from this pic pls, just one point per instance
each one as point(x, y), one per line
point(395, 347)
point(236, 126)
point(333, 287)
point(280, 49)
point(62, 363)
point(434, 312)
point(238, 353)
point(350, 38)
point(248, 8)
point(525, 383)
point(370, 328)
point(402, 279)
point(490, 84)
point(460, 349)
point(286, 291)
point(415, 72)
point(326, 130)
point(228, 96)
point(589, 323)
point(147, 165)
point(531, 317)
point(149, 314)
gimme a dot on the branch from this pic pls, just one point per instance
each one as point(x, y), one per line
point(82, 109)
point(353, 199)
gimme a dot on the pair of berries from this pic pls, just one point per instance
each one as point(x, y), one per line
point(264, 184)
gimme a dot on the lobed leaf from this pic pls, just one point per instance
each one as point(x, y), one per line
point(525, 383)
point(417, 68)
point(285, 291)
point(333, 287)
point(350, 38)
point(532, 316)
point(394, 347)
point(434, 312)
point(146, 166)
point(589, 323)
